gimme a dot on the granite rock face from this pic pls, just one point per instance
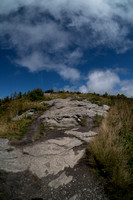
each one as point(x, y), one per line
point(53, 156)
point(42, 159)
point(26, 114)
point(83, 136)
point(68, 113)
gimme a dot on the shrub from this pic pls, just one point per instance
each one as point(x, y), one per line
point(6, 100)
point(49, 91)
point(36, 94)
point(78, 92)
point(105, 94)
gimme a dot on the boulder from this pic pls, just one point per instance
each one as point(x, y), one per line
point(25, 114)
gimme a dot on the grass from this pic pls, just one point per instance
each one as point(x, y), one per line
point(83, 121)
point(93, 98)
point(111, 152)
point(98, 120)
point(15, 130)
point(41, 131)
point(57, 95)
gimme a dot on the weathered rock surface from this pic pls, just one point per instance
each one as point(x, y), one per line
point(55, 160)
point(42, 159)
point(26, 114)
point(67, 113)
point(84, 136)
point(61, 180)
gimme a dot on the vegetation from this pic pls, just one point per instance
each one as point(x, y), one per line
point(98, 120)
point(41, 131)
point(111, 152)
point(15, 130)
point(17, 104)
point(49, 91)
point(94, 98)
point(83, 121)
point(36, 94)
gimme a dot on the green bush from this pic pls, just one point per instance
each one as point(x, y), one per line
point(49, 91)
point(36, 95)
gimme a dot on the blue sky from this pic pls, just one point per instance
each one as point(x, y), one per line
point(79, 45)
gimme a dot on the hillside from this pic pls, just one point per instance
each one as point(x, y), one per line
point(62, 145)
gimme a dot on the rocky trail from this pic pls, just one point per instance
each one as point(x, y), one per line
point(53, 167)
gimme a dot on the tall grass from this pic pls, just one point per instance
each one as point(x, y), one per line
point(16, 129)
point(111, 152)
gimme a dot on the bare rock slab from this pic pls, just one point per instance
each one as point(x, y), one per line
point(42, 159)
point(57, 162)
point(60, 181)
point(84, 136)
point(67, 113)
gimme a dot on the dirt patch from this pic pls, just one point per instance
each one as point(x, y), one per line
point(26, 186)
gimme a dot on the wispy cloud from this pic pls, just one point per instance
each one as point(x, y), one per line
point(38, 61)
point(52, 35)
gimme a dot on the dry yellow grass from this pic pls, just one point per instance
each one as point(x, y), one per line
point(111, 150)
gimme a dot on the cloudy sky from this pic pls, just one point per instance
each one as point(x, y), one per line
point(79, 45)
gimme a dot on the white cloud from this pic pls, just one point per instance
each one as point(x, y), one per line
point(107, 81)
point(38, 61)
point(83, 89)
point(34, 62)
point(24, 35)
point(74, 57)
point(69, 73)
point(69, 88)
point(102, 81)
point(127, 88)
point(94, 23)
point(44, 34)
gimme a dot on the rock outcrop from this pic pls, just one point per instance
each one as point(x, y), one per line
point(53, 157)
point(68, 113)
point(25, 114)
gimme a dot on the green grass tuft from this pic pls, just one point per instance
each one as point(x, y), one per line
point(83, 121)
point(41, 132)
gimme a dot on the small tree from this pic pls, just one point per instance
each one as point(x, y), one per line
point(36, 94)
point(19, 95)
point(0, 102)
point(105, 94)
point(15, 95)
point(49, 91)
point(121, 96)
point(6, 99)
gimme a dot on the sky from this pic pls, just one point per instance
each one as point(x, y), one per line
point(79, 45)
